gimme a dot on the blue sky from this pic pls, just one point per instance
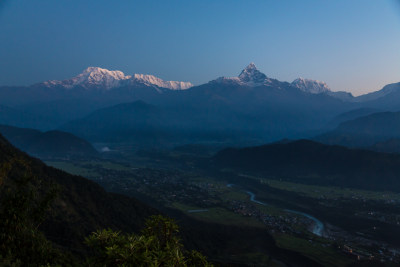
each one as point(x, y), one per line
point(352, 45)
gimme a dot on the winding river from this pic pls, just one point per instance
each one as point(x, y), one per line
point(318, 227)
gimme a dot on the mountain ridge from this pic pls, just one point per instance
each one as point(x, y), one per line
point(96, 77)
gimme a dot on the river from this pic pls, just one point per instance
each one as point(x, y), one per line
point(318, 227)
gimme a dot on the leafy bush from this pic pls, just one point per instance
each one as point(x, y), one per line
point(158, 245)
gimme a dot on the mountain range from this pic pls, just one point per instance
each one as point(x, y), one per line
point(100, 79)
point(249, 108)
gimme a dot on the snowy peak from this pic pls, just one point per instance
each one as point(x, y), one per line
point(250, 76)
point(98, 77)
point(95, 77)
point(251, 67)
point(153, 80)
point(96, 73)
point(311, 86)
point(92, 77)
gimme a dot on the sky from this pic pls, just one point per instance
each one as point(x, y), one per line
point(351, 45)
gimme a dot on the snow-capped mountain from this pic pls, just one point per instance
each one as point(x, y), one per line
point(153, 80)
point(318, 87)
point(388, 89)
point(92, 77)
point(311, 86)
point(95, 77)
point(250, 76)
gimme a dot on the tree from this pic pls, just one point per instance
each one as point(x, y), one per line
point(157, 245)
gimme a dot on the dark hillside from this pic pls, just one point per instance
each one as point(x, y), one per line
point(315, 163)
point(81, 206)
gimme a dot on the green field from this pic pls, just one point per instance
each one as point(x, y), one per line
point(219, 215)
point(318, 250)
point(72, 168)
point(87, 168)
point(327, 192)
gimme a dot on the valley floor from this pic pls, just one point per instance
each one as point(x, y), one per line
point(353, 225)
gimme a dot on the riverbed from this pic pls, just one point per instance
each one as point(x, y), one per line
point(318, 227)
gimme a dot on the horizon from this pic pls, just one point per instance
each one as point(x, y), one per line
point(350, 46)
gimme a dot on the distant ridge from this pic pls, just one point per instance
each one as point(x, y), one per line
point(50, 144)
point(364, 131)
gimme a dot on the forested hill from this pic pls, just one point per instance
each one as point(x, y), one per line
point(79, 207)
point(315, 163)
